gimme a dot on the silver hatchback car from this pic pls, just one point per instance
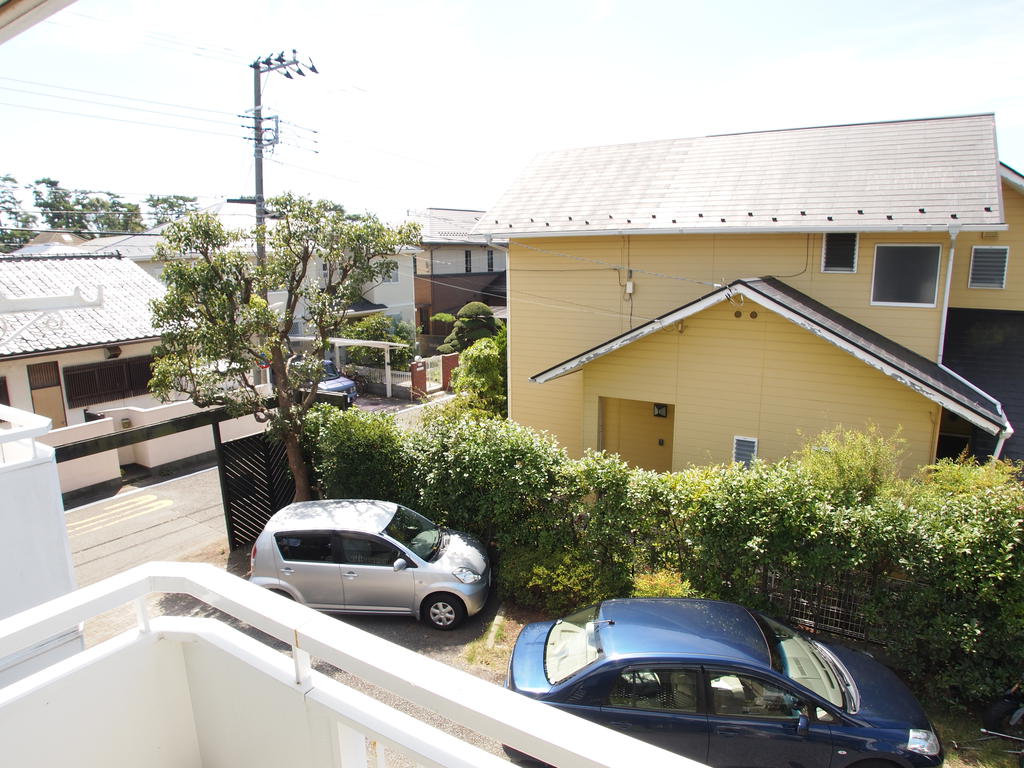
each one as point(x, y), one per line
point(364, 556)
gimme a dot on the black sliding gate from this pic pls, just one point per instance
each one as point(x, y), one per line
point(255, 483)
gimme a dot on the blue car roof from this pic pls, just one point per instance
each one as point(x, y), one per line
point(704, 628)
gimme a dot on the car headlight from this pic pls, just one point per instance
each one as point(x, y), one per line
point(466, 576)
point(923, 742)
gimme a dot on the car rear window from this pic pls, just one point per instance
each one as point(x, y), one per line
point(306, 547)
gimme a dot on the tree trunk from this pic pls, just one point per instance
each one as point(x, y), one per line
point(297, 464)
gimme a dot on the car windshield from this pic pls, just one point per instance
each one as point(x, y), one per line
point(330, 370)
point(416, 532)
point(571, 645)
point(800, 660)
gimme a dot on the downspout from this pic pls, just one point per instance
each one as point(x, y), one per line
point(1007, 432)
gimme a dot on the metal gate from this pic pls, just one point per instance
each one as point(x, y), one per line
point(255, 483)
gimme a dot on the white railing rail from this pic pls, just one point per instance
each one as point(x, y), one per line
point(17, 432)
point(530, 726)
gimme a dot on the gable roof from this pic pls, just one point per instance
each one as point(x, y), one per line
point(908, 175)
point(451, 226)
point(870, 347)
point(121, 315)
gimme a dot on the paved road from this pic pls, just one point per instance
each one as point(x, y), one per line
point(164, 521)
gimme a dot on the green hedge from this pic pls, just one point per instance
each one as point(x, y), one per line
point(572, 531)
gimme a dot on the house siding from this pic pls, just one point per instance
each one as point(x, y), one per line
point(1012, 296)
point(566, 297)
point(760, 377)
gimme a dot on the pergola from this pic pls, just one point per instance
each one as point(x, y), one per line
point(387, 346)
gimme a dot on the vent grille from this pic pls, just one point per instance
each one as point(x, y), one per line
point(988, 267)
point(744, 450)
point(839, 252)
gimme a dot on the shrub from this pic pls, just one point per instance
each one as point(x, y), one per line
point(856, 466)
point(663, 583)
point(482, 373)
point(379, 327)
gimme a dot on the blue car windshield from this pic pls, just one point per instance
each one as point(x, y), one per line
point(572, 644)
point(800, 660)
point(416, 532)
point(330, 370)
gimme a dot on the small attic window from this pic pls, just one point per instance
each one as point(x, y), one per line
point(988, 266)
point(744, 450)
point(839, 252)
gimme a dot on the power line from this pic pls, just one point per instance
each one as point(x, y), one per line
point(117, 106)
point(120, 120)
point(117, 96)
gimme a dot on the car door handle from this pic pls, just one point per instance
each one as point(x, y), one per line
point(727, 731)
point(287, 571)
point(350, 575)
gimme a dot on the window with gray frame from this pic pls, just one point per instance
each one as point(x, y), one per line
point(906, 275)
point(839, 252)
point(490, 260)
point(988, 266)
point(469, 261)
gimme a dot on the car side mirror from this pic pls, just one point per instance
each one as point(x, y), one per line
point(401, 564)
point(803, 725)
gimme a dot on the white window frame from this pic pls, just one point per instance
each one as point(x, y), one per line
point(735, 440)
point(392, 278)
point(468, 255)
point(1006, 268)
point(856, 251)
point(938, 272)
point(490, 259)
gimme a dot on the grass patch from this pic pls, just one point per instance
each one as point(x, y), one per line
point(959, 730)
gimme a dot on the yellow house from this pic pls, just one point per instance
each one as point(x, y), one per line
point(713, 299)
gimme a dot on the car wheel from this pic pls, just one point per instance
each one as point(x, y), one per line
point(443, 611)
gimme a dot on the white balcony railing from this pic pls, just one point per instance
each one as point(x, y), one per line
point(180, 691)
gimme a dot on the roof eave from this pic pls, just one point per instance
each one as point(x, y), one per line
point(783, 230)
point(898, 374)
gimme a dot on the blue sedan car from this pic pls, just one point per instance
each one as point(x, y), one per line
point(723, 685)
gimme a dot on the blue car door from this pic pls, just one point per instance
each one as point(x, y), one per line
point(659, 704)
point(755, 721)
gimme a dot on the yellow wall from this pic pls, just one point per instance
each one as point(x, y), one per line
point(1012, 296)
point(566, 296)
point(761, 377)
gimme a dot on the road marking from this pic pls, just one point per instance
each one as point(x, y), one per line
point(118, 513)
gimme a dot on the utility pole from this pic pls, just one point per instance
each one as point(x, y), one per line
point(261, 67)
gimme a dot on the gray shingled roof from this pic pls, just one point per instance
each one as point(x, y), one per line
point(874, 349)
point(446, 226)
point(123, 316)
point(913, 175)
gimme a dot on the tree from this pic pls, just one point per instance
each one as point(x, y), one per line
point(474, 321)
point(167, 208)
point(15, 224)
point(85, 212)
point(483, 374)
point(378, 327)
point(217, 323)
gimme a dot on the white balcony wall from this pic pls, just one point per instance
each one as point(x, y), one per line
point(34, 550)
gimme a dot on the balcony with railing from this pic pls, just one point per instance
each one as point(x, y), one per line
point(187, 691)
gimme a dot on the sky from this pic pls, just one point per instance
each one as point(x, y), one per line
point(442, 103)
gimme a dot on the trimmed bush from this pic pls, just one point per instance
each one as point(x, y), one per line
point(938, 558)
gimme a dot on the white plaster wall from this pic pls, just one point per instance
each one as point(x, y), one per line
point(447, 260)
point(399, 297)
point(34, 550)
point(129, 709)
point(89, 470)
point(183, 445)
point(16, 374)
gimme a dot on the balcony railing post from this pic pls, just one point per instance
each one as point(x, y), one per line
point(303, 669)
point(142, 614)
point(352, 747)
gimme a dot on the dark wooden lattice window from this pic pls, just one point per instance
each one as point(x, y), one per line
point(5, 398)
point(106, 381)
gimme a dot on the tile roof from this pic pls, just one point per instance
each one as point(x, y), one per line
point(909, 368)
point(913, 174)
point(122, 316)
